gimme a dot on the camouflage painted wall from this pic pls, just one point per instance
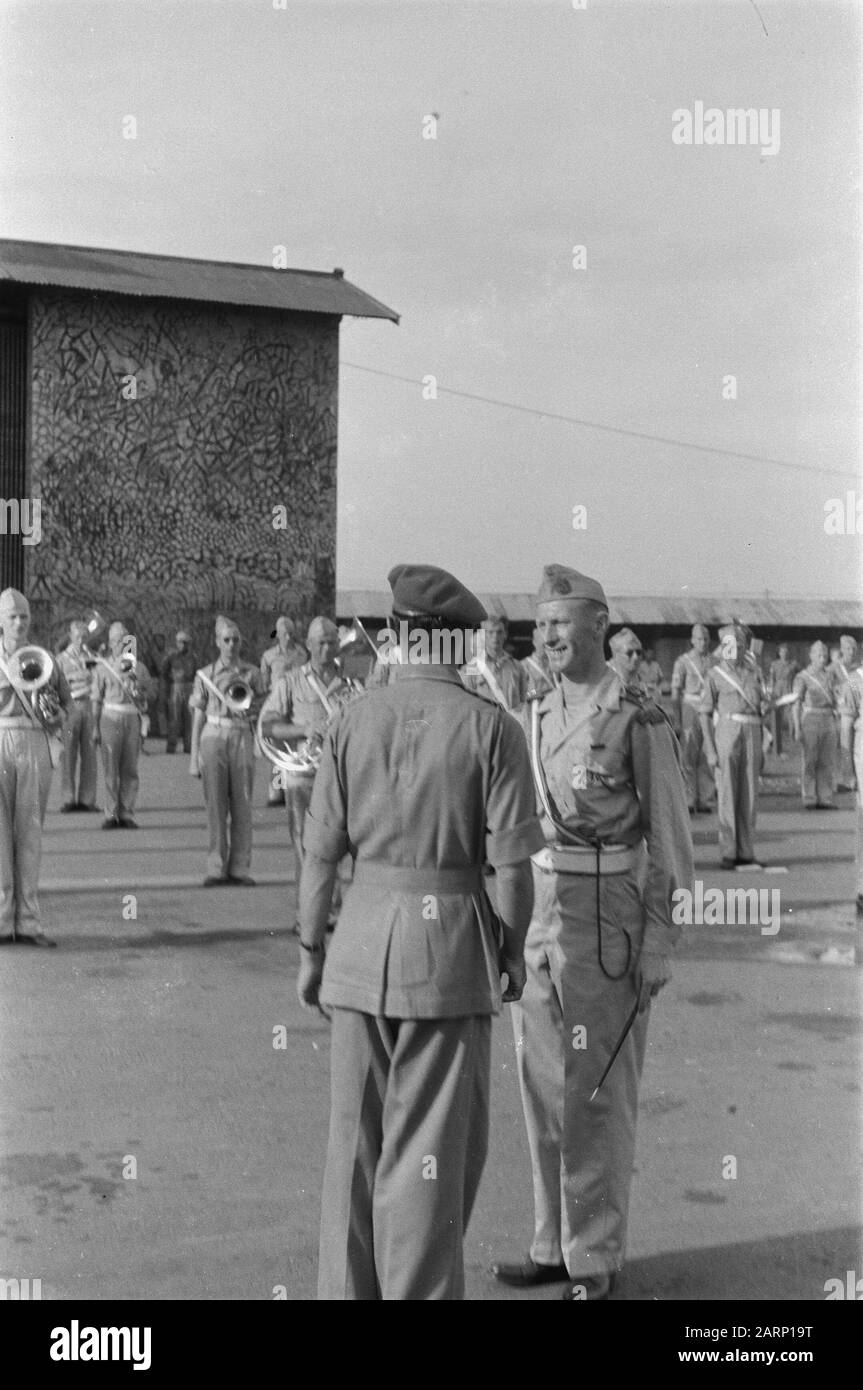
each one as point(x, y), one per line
point(159, 509)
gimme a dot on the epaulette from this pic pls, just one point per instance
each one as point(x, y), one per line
point(649, 712)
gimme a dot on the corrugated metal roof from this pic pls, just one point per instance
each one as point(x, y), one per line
point(175, 277)
point(652, 611)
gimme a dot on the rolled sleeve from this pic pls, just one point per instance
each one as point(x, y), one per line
point(198, 697)
point(513, 831)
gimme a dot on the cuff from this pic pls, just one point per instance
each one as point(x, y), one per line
point(516, 844)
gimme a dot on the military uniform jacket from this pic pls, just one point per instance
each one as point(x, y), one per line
point(223, 676)
point(689, 676)
point(420, 781)
point(613, 770)
point(509, 675)
point(178, 668)
point(851, 700)
point(721, 693)
point(817, 689)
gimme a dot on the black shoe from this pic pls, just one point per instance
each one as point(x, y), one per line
point(241, 881)
point(728, 863)
point(82, 806)
point(529, 1274)
point(751, 864)
point(36, 939)
point(213, 880)
point(129, 824)
point(826, 806)
point(67, 807)
point(810, 806)
point(592, 1289)
point(110, 823)
point(860, 904)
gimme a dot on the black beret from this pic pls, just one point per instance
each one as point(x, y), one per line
point(426, 591)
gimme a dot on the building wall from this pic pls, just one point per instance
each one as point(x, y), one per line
point(159, 509)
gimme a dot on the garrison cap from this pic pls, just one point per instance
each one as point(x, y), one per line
point(426, 591)
point(11, 601)
point(559, 581)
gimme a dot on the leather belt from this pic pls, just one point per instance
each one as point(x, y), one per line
point(18, 721)
point(85, 695)
point(745, 718)
point(573, 859)
point(402, 879)
point(224, 721)
point(119, 709)
point(817, 709)
point(692, 699)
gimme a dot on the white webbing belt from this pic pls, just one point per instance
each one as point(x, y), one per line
point(572, 859)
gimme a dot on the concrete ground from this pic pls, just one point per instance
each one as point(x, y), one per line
point(144, 1045)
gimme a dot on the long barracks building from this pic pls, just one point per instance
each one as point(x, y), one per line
point(175, 422)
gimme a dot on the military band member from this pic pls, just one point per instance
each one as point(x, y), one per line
point(536, 667)
point(422, 781)
point(297, 710)
point(818, 703)
point(78, 762)
point(276, 661)
point(626, 658)
point(119, 696)
point(177, 678)
point(25, 779)
point(492, 672)
point(733, 690)
point(781, 678)
point(687, 688)
point(842, 668)
point(223, 756)
point(607, 774)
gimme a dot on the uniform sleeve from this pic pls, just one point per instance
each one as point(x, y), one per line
point(325, 831)
point(198, 697)
point(513, 831)
point(666, 828)
point(677, 675)
point(708, 696)
point(144, 680)
point(799, 686)
point(61, 686)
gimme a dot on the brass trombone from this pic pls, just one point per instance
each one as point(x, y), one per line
point(238, 697)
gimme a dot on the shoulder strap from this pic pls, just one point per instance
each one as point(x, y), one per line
point(541, 784)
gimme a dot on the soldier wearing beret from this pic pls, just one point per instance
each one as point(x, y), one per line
point(733, 690)
point(422, 782)
point(25, 777)
point(607, 774)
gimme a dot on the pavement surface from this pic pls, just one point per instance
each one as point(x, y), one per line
point(164, 1097)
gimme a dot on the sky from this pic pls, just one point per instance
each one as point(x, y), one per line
point(303, 126)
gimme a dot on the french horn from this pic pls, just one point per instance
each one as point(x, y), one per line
point(304, 760)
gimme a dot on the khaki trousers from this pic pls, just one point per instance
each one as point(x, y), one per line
point(25, 781)
point(121, 744)
point(858, 811)
point(700, 790)
point(179, 718)
point(78, 744)
point(298, 799)
point(566, 1026)
point(228, 772)
point(738, 747)
point(819, 757)
point(407, 1146)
